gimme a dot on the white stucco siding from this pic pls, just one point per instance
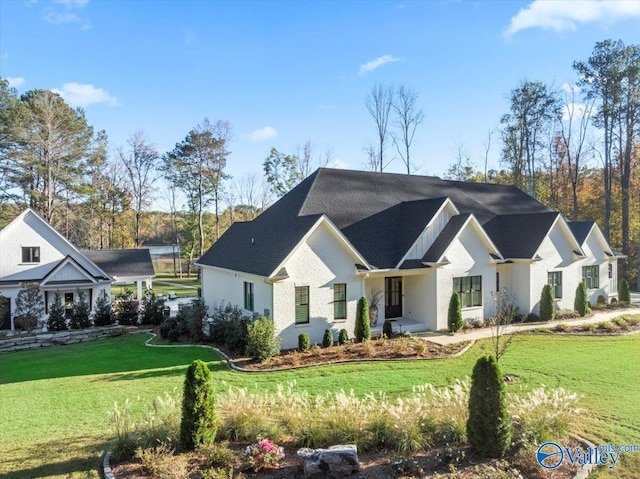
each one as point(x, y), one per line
point(469, 257)
point(519, 286)
point(221, 286)
point(419, 293)
point(557, 255)
point(320, 262)
point(596, 256)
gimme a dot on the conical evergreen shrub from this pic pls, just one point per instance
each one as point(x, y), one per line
point(199, 423)
point(454, 315)
point(547, 311)
point(57, 321)
point(81, 310)
point(327, 339)
point(304, 342)
point(343, 337)
point(363, 327)
point(581, 304)
point(489, 425)
point(387, 328)
point(624, 296)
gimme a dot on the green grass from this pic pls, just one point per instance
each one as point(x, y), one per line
point(164, 283)
point(54, 402)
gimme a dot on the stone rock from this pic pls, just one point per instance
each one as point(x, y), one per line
point(333, 463)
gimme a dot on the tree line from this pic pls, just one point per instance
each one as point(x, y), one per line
point(574, 148)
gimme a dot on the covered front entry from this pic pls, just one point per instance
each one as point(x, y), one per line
point(393, 297)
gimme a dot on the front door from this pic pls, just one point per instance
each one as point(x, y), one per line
point(393, 297)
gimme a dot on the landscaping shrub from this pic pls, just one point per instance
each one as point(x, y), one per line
point(304, 342)
point(80, 314)
point(229, 328)
point(586, 327)
point(562, 327)
point(531, 318)
point(56, 321)
point(124, 429)
point(29, 305)
point(363, 327)
point(601, 302)
point(343, 337)
point(624, 295)
point(152, 309)
point(614, 301)
point(327, 339)
point(199, 422)
point(454, 315)
point(102, 314)
point(546, 304)
point(581, 303)
point(488, 426)
point(126, 309)
point(387, 328)
point(262, 342)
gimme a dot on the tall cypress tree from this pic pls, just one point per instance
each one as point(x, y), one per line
point(489, 424)
point(581, 303)
point(546, 304)
point(198, 426)
point(362, 330)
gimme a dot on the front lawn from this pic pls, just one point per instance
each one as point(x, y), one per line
point(55, 402)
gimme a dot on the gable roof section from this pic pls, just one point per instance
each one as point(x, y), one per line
point(580, 229)
point(81, 275)
point(381, 215)
point(519, 236)
point(122, 262)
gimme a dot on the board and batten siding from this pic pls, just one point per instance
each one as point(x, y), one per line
point(430, 233)
point(320, 262)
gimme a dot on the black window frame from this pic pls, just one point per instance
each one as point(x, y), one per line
point(31, 254)
point(249, 304)
point(610, 271)
point(469, 288)
point(302, 303)
point(340, 301)
point(556, 286)
point(591, 276)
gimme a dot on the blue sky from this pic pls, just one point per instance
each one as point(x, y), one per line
point(285, 72)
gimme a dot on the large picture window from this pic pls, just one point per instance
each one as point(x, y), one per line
point(248, 296)
point(340, 301)
point(31, 254)
point(591, 276)
point(470, 290)
point(555, 280)
point(302, 304)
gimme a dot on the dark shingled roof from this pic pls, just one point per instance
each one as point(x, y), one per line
point(444, 239)
point(580, 229)
point(381, 214)
point(519, 236)
point(122, 262)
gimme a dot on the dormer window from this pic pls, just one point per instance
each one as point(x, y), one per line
point(31, 254)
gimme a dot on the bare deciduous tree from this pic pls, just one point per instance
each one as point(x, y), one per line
point(408, 117)
point(378, 103)
point(500, 322)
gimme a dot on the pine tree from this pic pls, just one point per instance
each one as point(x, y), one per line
point(547, 311)
point(102, 315)
point(489, 425)
point(198, 426)
point(80, 315)
point(362, 330)
point(581, 304)
point(56, 321)
point(454, 315)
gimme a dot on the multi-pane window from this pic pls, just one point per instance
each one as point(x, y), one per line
point(302, 304)
point(610, 271)
point(555, 280)
point(31, 254)
point(591, 276)
point(340, 301)
point(248, 296)
point(470, 290)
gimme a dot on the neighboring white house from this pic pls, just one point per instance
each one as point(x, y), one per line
point(32, 251)
point(410, 240)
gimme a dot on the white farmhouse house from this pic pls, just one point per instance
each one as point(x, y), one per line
point(408, 240)
point(32, 251)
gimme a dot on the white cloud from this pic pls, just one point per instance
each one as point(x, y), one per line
point(377, 63)
point(338, 164)
point(560, 15)
point(15, 82)
point(72, 3)
point(58, 18)
point(78, 94)
point(571, 88)
point(263, 133)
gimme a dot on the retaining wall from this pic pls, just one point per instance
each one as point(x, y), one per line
point(43, 340)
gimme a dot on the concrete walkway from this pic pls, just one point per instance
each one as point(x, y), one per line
point(473, 334)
